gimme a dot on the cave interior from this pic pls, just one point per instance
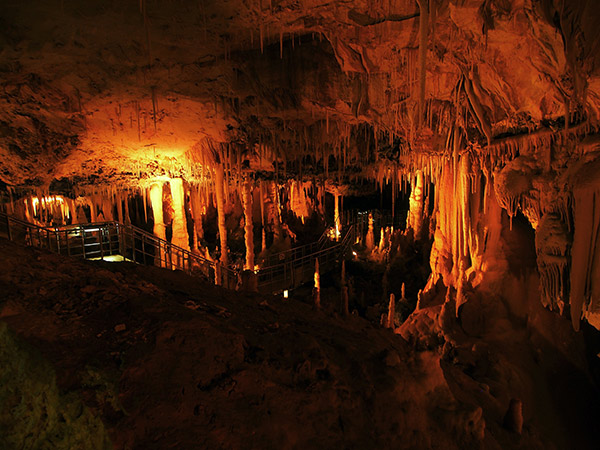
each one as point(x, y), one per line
point(299, 224)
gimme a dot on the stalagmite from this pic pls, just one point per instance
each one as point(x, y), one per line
point(513, 420)
point(221, 213)
point(370, 239)
point(248, 224)
point(317, 287)
point(390, 323)
point(415, 214)
point(423, 40)
point(180, 236)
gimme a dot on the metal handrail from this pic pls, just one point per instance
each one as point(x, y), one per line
point(300, 270)
point(103, 239)
point(295, 252)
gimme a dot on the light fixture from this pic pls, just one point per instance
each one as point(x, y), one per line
point(285, 294)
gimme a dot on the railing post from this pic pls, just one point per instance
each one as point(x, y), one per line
point(68, 244)
point(133, 246)
point(144, 247)
point(82, 242)
point(101, 241)
point(121, 240)
point(57, 234)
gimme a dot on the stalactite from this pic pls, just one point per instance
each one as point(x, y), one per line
point(462, 243)
point(478, 111)
point(144, 194)
point(197, 215)
point(127, 213)
point(423, 41)
point(119, 201)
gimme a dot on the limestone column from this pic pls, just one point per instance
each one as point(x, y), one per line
point(221, 212)
point(180, 236)
point(156, 201)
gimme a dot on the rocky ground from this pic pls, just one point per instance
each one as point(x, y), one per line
point(114, 355)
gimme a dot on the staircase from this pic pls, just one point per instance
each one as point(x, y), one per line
point(120, 242)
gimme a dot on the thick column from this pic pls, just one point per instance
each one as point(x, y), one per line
point(156, 201)
point(221, 212)
point(180, 236)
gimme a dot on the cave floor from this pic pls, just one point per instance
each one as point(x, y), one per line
point(169, 361)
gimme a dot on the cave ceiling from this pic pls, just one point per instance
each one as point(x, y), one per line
point(112, 89)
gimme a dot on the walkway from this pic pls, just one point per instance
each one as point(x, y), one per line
point(117, 242)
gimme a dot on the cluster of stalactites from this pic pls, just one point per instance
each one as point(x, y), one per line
point(467, 219)
point(45, 209)
point(183, 207)
point(554, 183)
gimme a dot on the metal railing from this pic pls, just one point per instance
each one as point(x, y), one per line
point(113, 239)
point(294, 272)
point(297, 252)
point(102, 240)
